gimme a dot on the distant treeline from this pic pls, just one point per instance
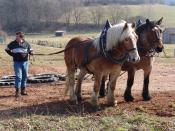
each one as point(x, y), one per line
point(129, 2)
point(50, 15)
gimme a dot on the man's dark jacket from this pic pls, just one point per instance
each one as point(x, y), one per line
point(19, 51)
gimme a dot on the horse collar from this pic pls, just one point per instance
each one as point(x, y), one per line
point(108, 54)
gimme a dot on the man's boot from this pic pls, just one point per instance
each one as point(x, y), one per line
point(23, 92)
point(17, 93)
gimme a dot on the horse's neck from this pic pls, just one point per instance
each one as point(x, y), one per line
point(143, 43)
point(118, 51)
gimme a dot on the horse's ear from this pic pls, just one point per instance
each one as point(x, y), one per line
point(125, 26)
point(147, 21)
point(159, 22)
point(139, 22)
point(108, 24)
point(133, 25)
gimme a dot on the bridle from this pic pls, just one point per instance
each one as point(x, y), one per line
point(151, 52)
point(158, 36)
point(108, 54)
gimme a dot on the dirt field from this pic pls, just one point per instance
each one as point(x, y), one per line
point(49, 97)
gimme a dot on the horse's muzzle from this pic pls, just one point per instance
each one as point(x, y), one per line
point(134, 57)
point(159, 49)
point(134, 60)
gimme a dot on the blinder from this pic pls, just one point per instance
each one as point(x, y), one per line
point(158, 36)
point(132, 49)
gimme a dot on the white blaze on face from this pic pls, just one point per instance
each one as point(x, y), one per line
point(134, 56)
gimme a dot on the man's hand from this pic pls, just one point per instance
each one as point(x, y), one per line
point(31, 53)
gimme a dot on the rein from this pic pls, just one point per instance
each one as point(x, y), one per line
point(151, 52)
point(50, 53)
point(58, 52)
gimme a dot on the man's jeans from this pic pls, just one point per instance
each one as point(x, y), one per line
point(21, 71)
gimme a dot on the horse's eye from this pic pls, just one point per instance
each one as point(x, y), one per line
point(161, 31)
point(127, 39)
point(153, 30)
point(137, 37)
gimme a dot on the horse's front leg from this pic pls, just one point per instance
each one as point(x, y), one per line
point(80, 78)
point(127, 95)
point(97, 82)
point(145, 94)
point(111, 88)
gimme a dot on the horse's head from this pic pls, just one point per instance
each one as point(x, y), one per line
point(153, 34)
point(123, 34)
point(128, 39)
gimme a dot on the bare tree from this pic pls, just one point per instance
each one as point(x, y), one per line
point(27, 13)
point(51, 10)
point(97, 14)
point(77, 12)
point(147, 10)
point(66, 7)
point(118, 13)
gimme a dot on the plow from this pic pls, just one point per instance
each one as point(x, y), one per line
point(9, 80)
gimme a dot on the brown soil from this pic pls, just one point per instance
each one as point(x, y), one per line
point(49, 99)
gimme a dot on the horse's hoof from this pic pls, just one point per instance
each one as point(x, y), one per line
point(95, 105)
point(96, 108)
point(114, 104)
point(79, 98)
point(129, 98)
point(147, 98)
point(73, 102)
point(101, 95)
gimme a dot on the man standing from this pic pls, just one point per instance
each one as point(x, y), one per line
point(19, 49)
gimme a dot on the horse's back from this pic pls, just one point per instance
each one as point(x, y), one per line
point(74, 41)
point(74, 51)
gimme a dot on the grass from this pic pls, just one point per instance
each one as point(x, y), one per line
point(114, 122)
point(155, 12)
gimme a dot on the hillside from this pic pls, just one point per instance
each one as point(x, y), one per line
point(155, 12)
point(152, 12)
point(169, 1)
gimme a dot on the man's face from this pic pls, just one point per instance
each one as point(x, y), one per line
point(19, 38)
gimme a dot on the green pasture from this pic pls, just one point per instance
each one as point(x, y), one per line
point(154, 12)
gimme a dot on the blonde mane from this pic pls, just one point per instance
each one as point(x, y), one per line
point(115, 35)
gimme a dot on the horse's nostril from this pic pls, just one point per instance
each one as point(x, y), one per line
point(159, 49)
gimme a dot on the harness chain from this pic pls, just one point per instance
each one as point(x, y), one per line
point(62, 50)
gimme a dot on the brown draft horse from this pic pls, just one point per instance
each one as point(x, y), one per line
point(149, 42)
point(120, 39)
